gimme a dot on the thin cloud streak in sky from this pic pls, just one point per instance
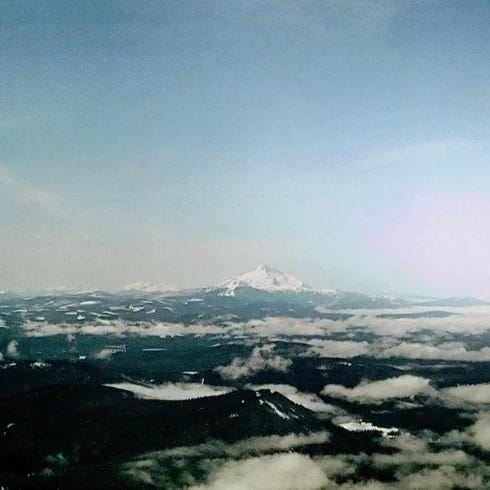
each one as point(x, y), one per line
point(26, 193)
point(414, 153)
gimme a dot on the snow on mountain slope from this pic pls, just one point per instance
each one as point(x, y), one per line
point(70, 291)
point(264, 278)
point(148, 287)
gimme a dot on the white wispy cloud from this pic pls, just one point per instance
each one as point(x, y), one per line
point(153, 467)
point(342, 20)
point(415, 152)
point(11, 120)
point(480, 431)
point(244, 447)
point(337, 348)
point(414, 466)
point(406, 386)
point(410, 338)
point(475, 393)
point(290, 471)
point(27, 193)
point(451, 351)
point(368, 16)
point(120, 328)
point(262, 358)
point(12, 350)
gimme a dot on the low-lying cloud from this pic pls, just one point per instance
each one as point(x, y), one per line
point(290, 471)
point(386, 348)
point(172, 391)
point(480, 431)
point(215, 458)
point(261, 359)
point(105, 353)
point(12, 350)
point(410, 461)
point(450, 351)
point(245, 447)
point(377, 391)
point(337, 348)
point(120, 328)
point(477, 393)
point(451, 338)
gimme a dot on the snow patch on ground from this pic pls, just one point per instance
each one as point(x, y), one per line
point(360, 426)
point(278, 412)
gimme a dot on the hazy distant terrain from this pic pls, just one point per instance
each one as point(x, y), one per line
point(243, 382)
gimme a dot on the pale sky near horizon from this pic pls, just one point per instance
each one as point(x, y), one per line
point(184, 142)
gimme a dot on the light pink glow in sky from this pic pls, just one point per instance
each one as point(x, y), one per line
point(442, 241)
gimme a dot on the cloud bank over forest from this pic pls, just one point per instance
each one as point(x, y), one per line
point(459, 337)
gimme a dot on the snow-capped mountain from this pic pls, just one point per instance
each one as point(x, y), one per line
point(70, 291)
point(148, 287)
point(264, 278)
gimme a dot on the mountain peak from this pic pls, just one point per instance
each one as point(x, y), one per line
point(147, 287)
point(265, 268)
point(265, 278)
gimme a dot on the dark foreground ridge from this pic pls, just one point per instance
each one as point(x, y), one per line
point(90, 425)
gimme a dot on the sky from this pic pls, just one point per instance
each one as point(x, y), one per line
point(345, 142)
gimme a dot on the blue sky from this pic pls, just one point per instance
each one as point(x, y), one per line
point(345, 142)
